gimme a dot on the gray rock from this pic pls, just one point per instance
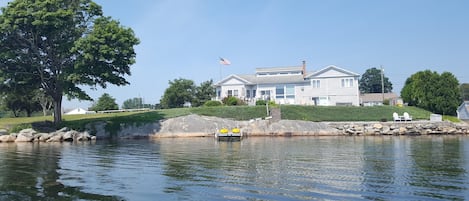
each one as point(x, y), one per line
point(7, 138)
point(28, 131)
point(3, 132)
point(57, 137)
point(24, 137)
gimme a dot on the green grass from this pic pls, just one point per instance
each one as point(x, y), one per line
point(343, 113)
point(293, 112)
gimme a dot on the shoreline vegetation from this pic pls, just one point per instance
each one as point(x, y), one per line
point(205, 121)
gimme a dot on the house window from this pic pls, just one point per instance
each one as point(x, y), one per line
point(316, 83)
point(265, 94)
point(253, 93)
point(347, 82)
point(230, 92)
point(248, 93)
point(279, 92)
point(290, 91)
point(235, 93)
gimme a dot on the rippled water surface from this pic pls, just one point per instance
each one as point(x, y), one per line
point(297, 168)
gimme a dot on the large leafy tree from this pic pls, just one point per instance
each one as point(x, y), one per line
point(203, 93)
point(465, 91)
point(59, 45)
point(432, 91)
point(179, 92)
point(370, 82)
point(105, 102)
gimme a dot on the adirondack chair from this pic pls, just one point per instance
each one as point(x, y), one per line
point(407, 117)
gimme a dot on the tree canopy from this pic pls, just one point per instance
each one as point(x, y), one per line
point(179, 92)
point(203, 93)
point(432, 91)
point(105, 102)
point(370, 82)
point(58, 45)
point(465, 91)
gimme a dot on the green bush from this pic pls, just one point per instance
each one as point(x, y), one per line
point(212, 103)
point(263, 102)
point(386, 102)
point(231, 100)
point(260, 102)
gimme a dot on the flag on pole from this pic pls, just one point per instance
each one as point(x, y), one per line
point(224, 61)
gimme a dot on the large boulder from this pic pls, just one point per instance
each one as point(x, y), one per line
point(24, 137)
point(7, 138)
point(3, 132)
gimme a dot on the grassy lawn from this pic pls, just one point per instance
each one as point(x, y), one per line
point(292, 112)
point(343, 113)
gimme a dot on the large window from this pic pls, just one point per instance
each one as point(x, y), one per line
point(290, 93)
point(235, 93)
point(248, 93)
point(316, 83)
point(279, 92)
point(230, 92)
point(285, 91)
point(347, 82)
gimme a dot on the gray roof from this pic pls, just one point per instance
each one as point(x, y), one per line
point(279, 69)
point(274, 79)
point(377, 97)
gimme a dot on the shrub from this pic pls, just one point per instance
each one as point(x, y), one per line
point(263, 102)
point(260, 102)
point(212, 103)
point(231, 100)
point(386, 102)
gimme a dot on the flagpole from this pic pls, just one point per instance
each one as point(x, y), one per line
point(219, 65)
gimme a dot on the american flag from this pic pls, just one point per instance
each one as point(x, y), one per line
point(224, 61)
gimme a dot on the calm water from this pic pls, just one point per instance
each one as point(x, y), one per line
point(297, 168)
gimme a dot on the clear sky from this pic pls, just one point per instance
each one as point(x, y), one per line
point(185, 38)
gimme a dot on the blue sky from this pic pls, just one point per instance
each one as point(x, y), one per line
point(185, 38)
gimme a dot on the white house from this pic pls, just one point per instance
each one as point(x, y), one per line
point(293, 85)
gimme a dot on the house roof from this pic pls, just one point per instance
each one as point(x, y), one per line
point(464, 104)
point(376, 97)
point(279, 69)
point(274, 79)
point(252, 79)
point(331, 67)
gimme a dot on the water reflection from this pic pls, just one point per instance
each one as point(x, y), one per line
point(29, 172)
point(296, 168)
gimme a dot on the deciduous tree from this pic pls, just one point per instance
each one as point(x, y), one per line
point(105, 102)
point(465, 91)
point(59, 45)
point(370, 82)
point(203, 93)
point(431, 91)
point(179, 92)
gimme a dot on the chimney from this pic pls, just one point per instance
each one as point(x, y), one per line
point(304, 69)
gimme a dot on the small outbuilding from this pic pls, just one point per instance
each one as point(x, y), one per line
point(77, 111)
point(463, 111)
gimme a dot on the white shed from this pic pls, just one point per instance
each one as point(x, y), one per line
point(77, 111)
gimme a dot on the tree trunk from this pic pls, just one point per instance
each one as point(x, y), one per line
point(57, 110)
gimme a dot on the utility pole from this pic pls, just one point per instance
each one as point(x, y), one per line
point(382, 82)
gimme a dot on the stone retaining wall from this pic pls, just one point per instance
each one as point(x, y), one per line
point(399, 128)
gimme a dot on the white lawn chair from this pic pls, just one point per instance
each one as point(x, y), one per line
point(407, 117)
point(396, 117)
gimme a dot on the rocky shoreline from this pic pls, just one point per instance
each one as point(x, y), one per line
point(206, 126)
point(201, 126)
point(62, 135)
